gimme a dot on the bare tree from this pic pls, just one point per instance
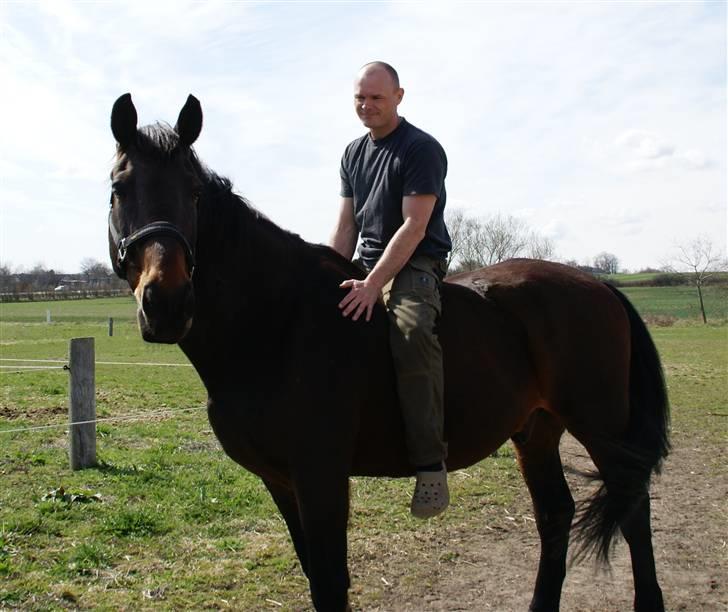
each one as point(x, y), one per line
point(540, 247)
point(42, 278)
point(702, 260)
point(505, 237)
point(93, 268)
point(6, 275)
point(457, 226)
point(97, 274)
point(607, 263)
point(479, 242)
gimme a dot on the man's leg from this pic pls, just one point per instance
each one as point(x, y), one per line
point(413, 303)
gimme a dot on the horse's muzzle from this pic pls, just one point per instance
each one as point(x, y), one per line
point(165, 315)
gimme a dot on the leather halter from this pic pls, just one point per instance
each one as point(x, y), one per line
point(156, 228)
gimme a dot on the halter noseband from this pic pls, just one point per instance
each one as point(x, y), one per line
point(156, 228)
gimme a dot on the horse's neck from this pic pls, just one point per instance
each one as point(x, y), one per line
point(250, 264)
point(247, 268)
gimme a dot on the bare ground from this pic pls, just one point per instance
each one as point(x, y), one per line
point(489, 563)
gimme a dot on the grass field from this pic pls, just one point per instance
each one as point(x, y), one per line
point(680, 302)
point(632, 278)
point(167, 521)
point(641, 277)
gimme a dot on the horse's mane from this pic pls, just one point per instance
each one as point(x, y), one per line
point(225, 211)
point(223, 202)
point(289, 245)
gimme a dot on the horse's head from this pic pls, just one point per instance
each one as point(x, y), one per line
point(156, 182)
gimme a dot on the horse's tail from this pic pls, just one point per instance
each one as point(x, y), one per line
point(649, 422)
point(638, 453)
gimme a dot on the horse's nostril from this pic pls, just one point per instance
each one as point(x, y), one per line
point(149, 304)
point(164, 306)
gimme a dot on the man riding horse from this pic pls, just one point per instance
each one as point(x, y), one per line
point(393, 196)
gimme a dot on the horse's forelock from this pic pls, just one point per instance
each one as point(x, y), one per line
point(158, 141)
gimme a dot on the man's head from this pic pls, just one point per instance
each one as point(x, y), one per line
point(376, 96)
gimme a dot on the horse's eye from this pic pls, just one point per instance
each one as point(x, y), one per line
point(117, 188)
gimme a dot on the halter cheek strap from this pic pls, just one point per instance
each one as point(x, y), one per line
point(157, 228)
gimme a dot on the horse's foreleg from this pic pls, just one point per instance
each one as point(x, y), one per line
point(285, 499)
point(323, 503)
point(540, 463)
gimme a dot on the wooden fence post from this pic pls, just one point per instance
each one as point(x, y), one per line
point(82, 403)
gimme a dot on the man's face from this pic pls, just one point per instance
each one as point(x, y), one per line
point(376, 99)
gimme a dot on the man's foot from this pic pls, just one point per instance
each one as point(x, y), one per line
point(431, 496)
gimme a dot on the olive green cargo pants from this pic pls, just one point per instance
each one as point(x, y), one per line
point(413, 303)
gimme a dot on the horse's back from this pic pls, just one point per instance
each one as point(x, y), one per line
point(578, 333)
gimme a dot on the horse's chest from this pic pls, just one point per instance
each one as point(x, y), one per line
point(246, 434)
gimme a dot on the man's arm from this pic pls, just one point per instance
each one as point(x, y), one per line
point(416, 212)
point(343, 238)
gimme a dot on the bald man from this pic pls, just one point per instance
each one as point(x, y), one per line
point(393, 197)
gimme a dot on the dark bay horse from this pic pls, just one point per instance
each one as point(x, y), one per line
point(305, 398)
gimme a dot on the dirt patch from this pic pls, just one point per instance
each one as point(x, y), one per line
point(490, 562)
point(12, 413)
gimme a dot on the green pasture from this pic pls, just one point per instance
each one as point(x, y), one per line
point(95, 311)
point(680, 302)
point(644, 277)
point(632, 278)
point(167, 521)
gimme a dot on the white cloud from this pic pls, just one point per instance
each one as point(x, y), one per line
point(649, 152)
point(555, 229)
point(693, 159)
point(644, 144)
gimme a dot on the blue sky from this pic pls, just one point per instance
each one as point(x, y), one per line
point(602, 125)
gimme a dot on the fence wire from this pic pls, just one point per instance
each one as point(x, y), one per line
point(140, 416)
point(7, 369)
point(19, 369)
point(124, 363)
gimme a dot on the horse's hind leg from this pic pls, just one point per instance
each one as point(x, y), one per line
point(540, 463)
point(636, 530)
point(628, 501)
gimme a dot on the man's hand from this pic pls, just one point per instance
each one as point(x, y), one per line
point(416, 212)
point(361, 298)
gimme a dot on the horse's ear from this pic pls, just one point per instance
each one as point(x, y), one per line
point(124, 120)
point(189, 122)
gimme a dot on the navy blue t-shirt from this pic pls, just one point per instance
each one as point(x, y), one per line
point(377, 174)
